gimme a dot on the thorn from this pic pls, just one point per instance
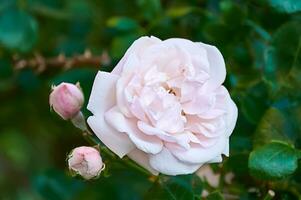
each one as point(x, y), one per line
point(21, 64)
point(61, 57)
point(68, 64)
point(105, 58)
point(87, 54)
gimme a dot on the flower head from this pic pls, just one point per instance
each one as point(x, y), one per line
point(164, 106)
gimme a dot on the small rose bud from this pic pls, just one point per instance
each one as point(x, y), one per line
point(85, 161)
point(66, 99)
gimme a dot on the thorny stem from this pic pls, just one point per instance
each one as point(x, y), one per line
point(41, 64)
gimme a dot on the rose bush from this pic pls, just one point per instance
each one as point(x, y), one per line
point(164, 106)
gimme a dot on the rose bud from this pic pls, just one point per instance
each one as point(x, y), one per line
point(66, 99)
point(85, 161)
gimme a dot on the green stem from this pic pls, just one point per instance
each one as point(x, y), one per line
point(133, 165)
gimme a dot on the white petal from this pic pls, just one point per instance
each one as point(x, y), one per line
point(198, 154)
point(226, 150)
point(150, 130)
point(166, 163)
point(217, 159)
point(217, 66)
point(231, 117)
point(120, 97)
point(117, 142)
point(146, 143)
point(103, 98)
point(142, 159)
point(138, 46)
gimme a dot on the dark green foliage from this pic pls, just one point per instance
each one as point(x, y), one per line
point(259, 39)
point(289, 6)
point(175, 188)
point(275, 160)
point(215, 196)
point(18, 30)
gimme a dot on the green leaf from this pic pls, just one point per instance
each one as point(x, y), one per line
point(288, 6)
point(18, 30)
point(233, 14)
point(28, 81)
point(175, 188)
point(259, 30)
point(179, 11)
point(150, 8)
point(216, 195)
point(157, 192)
point(273, 126)
point(217, 32)
point(197, 186)
point(283, 55)
point(122, 23)
point(16, 147)
point(254, 102)
point(121, 44)
point(55, 185)
point(275, 160)
point(5, 69)
point(238, 159)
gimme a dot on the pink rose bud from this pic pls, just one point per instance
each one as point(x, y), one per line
point(66, 99)
point(85, 161)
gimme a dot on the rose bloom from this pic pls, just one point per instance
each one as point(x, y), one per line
point(85, 161)
point(164, 106)
point(66, 99)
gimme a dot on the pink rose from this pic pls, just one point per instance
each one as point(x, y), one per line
point(164, 106)
point(85, 161)
point(66, 99)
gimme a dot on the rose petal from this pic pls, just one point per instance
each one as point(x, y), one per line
point(200, 104)
point(119, 143)
point(142, 159)
point(117, 120)
point(166, 163)
point(213, 113)
point(227, 148)
point(217, 159)
point(102, 98)
point(150, 130)
point(206, 142)
point(198, 154)
point(231, 117)
point(217, 66)
point(198, 56)
point(131, 64)
point(136, 47)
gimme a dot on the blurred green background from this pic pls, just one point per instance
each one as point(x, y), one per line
point(259, 39)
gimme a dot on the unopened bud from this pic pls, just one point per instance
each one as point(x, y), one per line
point(85, 161)
point(66, 99)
